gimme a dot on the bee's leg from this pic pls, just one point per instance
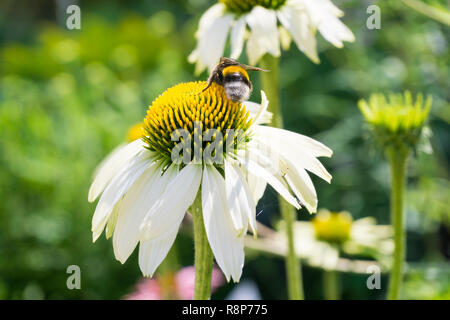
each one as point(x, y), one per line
point(209, 85)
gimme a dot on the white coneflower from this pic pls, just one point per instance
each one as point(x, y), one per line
point(145, 193)
point(266, 24)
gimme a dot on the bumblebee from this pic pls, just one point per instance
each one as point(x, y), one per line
point(233, 76)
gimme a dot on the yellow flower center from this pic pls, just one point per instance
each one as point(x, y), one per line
point(332, 227)
point(185, 107)
point(242, 6)
point(135, 132)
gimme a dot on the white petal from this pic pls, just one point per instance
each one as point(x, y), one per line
point(264, 34)
point(289, 145)
point(135, 205)
point(152, 252)
point(173, 204)
point(258, 112)
point(204, 26)
point(273, 135)
point(256, 185)
point(111, 225)
point(285, 38)
point(334, 31)
point(118, 186)
point(240, 201)
point(325, 17)
point(211, 43)
point(256, 164)
point(301, 184)
point(208, 18)
point(228, 248)
point(111, 165)
point(237, 38)
point(298, 23)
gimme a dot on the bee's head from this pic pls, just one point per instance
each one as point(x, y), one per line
point(228, 66)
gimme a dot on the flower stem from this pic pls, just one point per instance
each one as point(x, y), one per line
point(270, 84)
point(203, 259)
point(331, 284)
point(397, 160)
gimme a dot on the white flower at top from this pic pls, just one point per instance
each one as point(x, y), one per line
point(145, 194)
point(266, 24)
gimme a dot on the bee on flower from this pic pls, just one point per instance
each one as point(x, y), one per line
point(203, 152)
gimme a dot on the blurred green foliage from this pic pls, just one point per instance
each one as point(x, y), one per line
point(68, 97)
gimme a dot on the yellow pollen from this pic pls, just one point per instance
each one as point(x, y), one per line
point(135, 132)
point(182, 105)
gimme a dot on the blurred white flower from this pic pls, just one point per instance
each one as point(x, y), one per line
point(266, 24)
point(321, 242)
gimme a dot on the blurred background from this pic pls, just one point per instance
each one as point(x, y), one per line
point(68, 97)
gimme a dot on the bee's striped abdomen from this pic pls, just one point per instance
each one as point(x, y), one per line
point(237, 84)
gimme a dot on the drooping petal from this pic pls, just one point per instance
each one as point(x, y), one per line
point(111, 225)
point(211, 42)
point(135, 205)
point(240, 201)
point(264, 34)
point(298, 23)
point(272, 135)
point(335, 32)
point(227, 246)
point(259, 165)
point(118, 186)
point(208, 18)
point(325, 17)
point(204, 25)
point(285, 38)
point(152, 252)
point(111, 165)
point(233, 197)
point(256, 185)
point(301, 184)
point(237, 37)
point(173, 203)
point(293, 147)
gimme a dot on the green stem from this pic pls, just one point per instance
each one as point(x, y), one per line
point(203, 259)
point(331, 284)
point(435, 13)
point(270, 84)
point(397, 160)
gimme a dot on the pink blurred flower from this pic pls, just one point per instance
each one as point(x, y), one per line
point(146, 289)
point(184, 281)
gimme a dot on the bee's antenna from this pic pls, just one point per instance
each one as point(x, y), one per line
point(250, 68)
